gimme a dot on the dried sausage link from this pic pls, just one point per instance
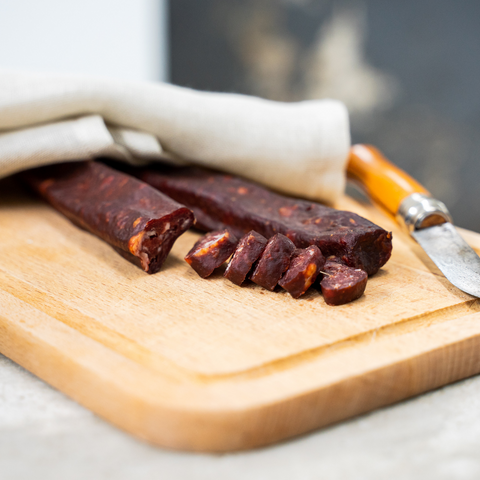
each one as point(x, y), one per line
point(137, 220)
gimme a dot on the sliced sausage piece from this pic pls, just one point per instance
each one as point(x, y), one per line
point(273, 262)
point(136, 219)
point(342, 284)
point(225, 201)
point(211, 251)
point(248, 251)
point(304, 268)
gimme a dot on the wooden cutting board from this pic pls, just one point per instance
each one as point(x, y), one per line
point(205, 365)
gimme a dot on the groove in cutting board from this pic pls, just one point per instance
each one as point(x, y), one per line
point(96, 331)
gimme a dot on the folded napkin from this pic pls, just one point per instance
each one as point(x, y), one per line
point(298, 148)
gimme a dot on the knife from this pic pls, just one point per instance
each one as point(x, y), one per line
point(426, 219)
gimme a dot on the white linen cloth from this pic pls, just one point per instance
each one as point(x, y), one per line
point(298, 148)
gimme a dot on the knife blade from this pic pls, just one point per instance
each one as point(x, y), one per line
point(425, 218)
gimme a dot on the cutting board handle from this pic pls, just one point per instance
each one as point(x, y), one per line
point(384, 183)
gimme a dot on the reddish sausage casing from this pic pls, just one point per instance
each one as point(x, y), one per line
point(224, 201)
point(342, 284)
point(274, 260)
point(249, 249)
point(304, 268)
point(137, 220)
point(211, 251)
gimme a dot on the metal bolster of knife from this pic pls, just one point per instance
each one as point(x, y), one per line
point(419, 211)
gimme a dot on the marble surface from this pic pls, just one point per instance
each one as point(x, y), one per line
point(43, 434)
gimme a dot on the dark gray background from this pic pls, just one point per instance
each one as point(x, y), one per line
point(422, 108)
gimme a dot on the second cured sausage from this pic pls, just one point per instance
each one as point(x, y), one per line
point(225, 201)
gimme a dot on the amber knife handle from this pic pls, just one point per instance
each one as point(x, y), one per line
point(393, 189)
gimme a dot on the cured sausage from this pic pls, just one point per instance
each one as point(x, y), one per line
point(249, 249)
point(211, 251)
point(342, 284)
point(273, 262)
point(221, 201)
point(137, 220)
point(304, 268)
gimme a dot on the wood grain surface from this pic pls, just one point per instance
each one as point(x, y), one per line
point(205, 365)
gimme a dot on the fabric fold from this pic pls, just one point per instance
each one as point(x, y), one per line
point(297, 148)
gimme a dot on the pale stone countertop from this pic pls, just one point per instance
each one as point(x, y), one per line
point(44, 435)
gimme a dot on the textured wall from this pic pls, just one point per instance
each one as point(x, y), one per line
point(408, 72)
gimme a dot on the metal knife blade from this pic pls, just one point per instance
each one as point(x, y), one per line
point(452, 255)
point(429, 223)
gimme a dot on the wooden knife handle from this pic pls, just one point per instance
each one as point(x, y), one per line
point(384, 183)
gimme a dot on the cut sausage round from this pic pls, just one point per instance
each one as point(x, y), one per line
point(211, 251)
point(274, 260)
point(304, 268)
point(249, 249)
point(342, 284)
